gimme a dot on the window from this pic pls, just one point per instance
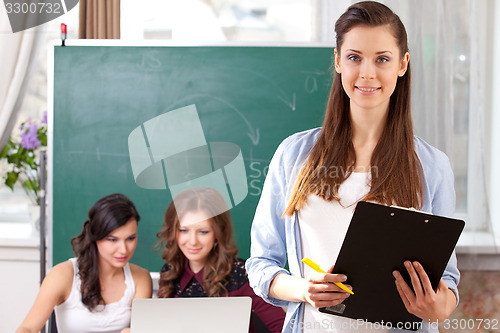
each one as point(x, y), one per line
point(14, 207)
point(221, 20)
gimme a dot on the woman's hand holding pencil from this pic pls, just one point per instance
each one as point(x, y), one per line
point(325, 289)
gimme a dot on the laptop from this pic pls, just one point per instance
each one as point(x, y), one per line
point(192, 314)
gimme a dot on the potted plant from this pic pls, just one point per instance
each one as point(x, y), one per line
point(21, 157)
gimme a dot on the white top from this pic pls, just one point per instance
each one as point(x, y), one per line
point(74, 317)
point(323, 226)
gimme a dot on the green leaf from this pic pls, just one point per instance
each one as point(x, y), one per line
point(28, 185)
point(11, 179)
point(15, 158)
point(5, 150)
point(30, 160)
point(43, 140)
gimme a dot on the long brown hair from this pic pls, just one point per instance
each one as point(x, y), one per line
point(222, 256)
point(107, 214)
point(396, 172)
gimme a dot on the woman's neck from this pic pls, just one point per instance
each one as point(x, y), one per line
point(367, 127)
point(107, 272)
point(195, 266)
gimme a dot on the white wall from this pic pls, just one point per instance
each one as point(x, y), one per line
point(495, 132)
point(20, 280)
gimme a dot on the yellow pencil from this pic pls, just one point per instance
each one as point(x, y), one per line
point(315, 266)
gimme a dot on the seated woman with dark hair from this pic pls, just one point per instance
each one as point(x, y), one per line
point(93, 292)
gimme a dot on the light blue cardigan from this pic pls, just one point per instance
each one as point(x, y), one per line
point(274, 238)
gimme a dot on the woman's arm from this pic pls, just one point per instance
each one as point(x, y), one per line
point(268, 233)
point(271, 232)
point(443, 204)
point(55, 288)
point(143, 285)
point(440, 197)
point(288, 287)
point(143, 282)
point(318, 289)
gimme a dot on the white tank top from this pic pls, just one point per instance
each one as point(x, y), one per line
point(323, 226)
point(74, 317)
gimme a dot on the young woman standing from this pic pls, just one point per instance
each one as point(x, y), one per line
point(365, 150)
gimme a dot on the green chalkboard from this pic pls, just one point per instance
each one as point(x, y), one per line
point(251, 96)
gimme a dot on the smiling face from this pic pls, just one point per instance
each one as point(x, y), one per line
point(196, 238)
point(116, 249)
point(370, 63)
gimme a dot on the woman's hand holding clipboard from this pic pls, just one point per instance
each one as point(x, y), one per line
point(380, 239)
point(423, 301)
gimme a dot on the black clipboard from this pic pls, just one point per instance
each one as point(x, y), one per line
point(378, 241)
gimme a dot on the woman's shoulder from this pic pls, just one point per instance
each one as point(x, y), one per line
point(301, 140)
point(59, 280)
point(294, 149)
point(239, 266)
point(435, 164)
point(138, 272)
point(429, 154)
point(238, 276)
point(64, 270)
point(142, 281)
